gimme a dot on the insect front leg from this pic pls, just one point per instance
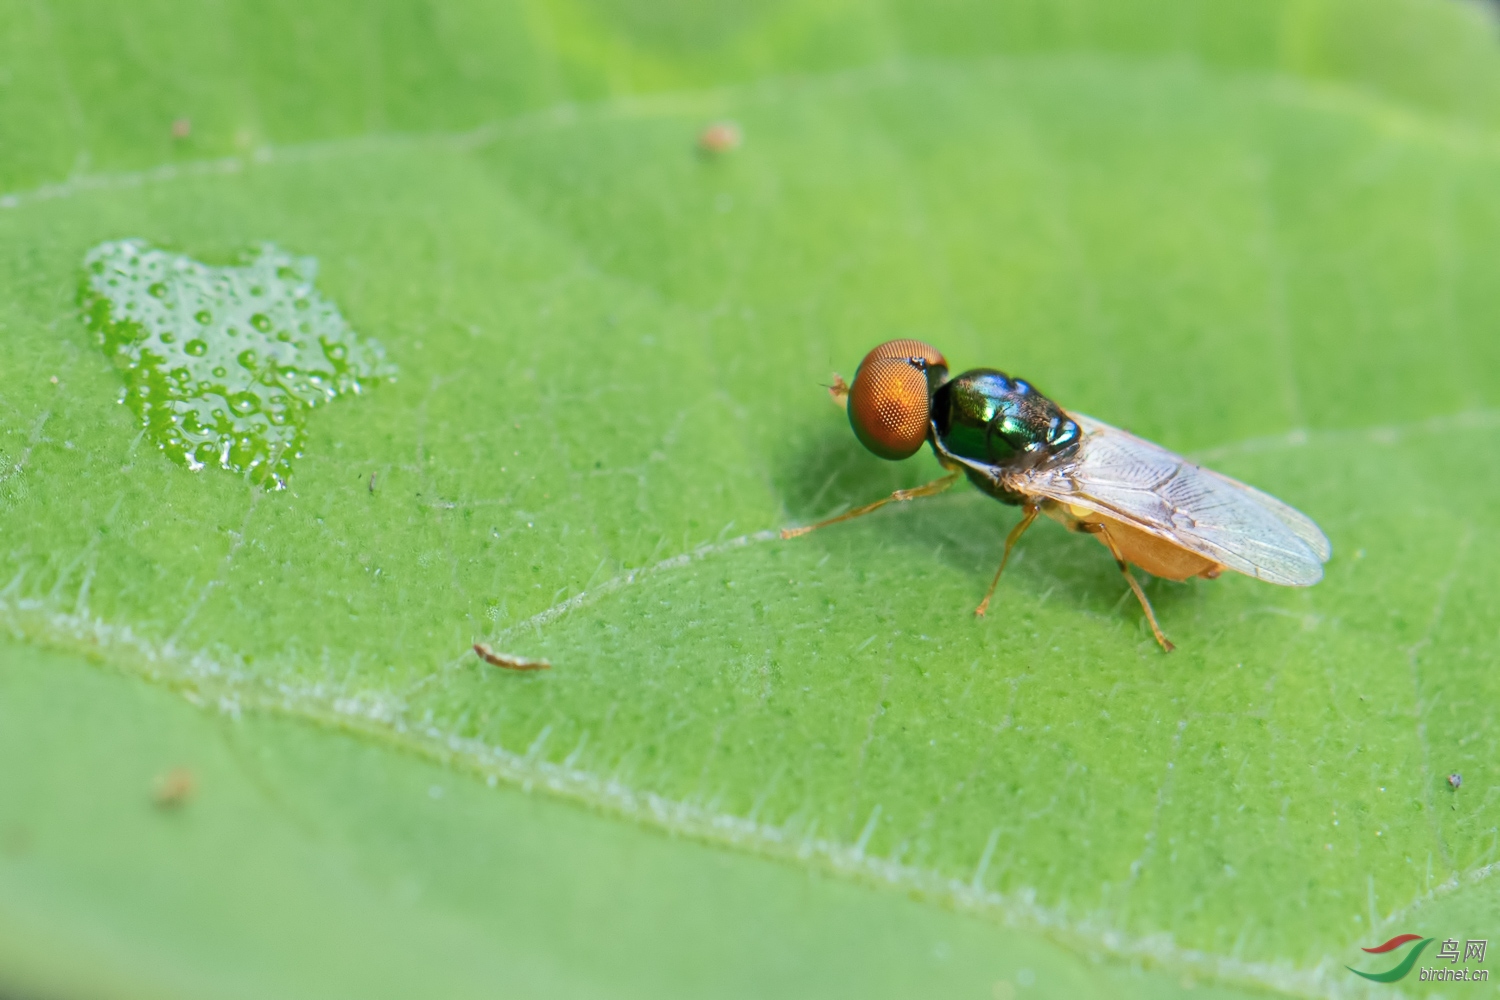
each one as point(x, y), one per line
point(930, 489)
point(1011, 539)
point(1102, 531)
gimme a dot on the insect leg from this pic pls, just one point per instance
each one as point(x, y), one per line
point(1140, 595)
point(930, 489)
point(1010, 543)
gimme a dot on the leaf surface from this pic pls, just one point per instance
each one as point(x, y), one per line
point(1233, 234)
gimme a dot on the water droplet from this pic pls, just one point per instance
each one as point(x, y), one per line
point(230, 358)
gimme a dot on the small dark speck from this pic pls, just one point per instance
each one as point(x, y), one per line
point(1455, 780)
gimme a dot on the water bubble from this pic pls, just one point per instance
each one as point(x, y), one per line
point(261, 321)
point(157, 290)
point(203, 316)
point(197, 348)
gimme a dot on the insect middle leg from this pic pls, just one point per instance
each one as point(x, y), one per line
point(930, 489)
point(1011, 539)
point(1140, 595)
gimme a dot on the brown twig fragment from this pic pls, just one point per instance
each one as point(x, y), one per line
point(508, 662)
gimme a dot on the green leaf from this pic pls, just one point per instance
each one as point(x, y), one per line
point(1264, 235)
point(307, 864)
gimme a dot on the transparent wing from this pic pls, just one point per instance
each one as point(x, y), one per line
point(1122, 476)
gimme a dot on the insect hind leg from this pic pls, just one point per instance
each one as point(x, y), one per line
point(1140, 595)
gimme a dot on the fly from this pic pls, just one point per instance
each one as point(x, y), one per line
point(1151, 508)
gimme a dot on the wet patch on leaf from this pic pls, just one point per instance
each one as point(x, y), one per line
point(222, 364)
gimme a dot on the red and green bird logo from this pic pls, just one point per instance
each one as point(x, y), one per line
point(1401, 968)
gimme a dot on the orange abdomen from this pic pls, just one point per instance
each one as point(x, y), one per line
point(1156, 556)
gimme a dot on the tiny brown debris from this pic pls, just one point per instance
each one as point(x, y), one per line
point(372, 481)
point(508, 662)
point(182, 128)
point(719, 138)
point(1455, 780)
point(174, 788)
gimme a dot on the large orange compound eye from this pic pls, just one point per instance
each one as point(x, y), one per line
point(889, 406)
point(907, 349)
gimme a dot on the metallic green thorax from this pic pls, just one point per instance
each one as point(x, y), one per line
point(991, 419)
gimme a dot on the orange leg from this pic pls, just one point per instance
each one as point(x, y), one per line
point(1140, 595)
point(931, 489)
point(1010, 543)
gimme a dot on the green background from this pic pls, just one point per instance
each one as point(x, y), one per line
point(1266, 235)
